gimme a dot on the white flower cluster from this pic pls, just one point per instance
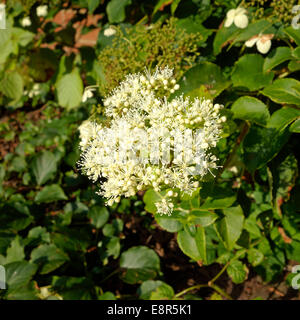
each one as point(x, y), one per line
point(143, 143)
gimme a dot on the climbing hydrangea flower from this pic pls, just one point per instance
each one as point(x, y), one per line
point(238, 17)
point(263, 42)
point(149, 141)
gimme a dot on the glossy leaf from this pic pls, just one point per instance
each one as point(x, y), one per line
point(229, 227)
point(248, 73)
point(252, 109)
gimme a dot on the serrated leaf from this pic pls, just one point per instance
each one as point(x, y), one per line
point(12, 85)
point(98, 215)
point(284, 91)
point(15, 252)
point(155, 289)
point(283, 117)
point(49, 257)
point(50, 193)
point(18, 274)
point(276, 57)
point(237, 271)
point(252, 109)
point(44, 166)
point(255, 257)
point(69, 90)
point(140, 263)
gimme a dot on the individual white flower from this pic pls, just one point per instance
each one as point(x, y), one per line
point(42, 11)
point(263, 42)
point(26, 22)
point(35, 91)
point(139, 146)
point(88, 93)
point(238, 17)
point(109, 32)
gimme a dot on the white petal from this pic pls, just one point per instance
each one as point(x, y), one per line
point(251, 42)
point(228, 22)
point(263, 46)
point(231, 13)
point(240, 11)
point(241, 21)
point(229, 18)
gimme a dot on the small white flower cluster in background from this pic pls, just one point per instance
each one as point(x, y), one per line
point(116, 151)
point(35, 91)
point(109, 32)
point(42, 11)
point(26, 22)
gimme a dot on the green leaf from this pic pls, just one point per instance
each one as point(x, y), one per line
point(140, 264)
point(294, 34)
point(192, 24)
point(92, 5)
point(168, 223)
point(27, 292)
point(248, 73)
point(218, 198)
point(230, 226)
point(107, 296)
point(201, 217)
point(254, 29)
point(276, 57)
point(205, 79)
point(237, 271)
point(252, 109)
point(116, 10)
point(193, 246)
point(174, 6)
point(160, 5)
point(22, 37)
point(255, 257)
point(49, 257)
point(44, 166)
point(261, 145)
point(18, 274)
point(284, 91)
point(15, 252)
point(295, 127)
point(98, 215)
point(73, 288)
point(155, 290)
point(223, 37)
point(284, 177)
point(294, 65)
point(50, 193)
point(69, 90)
point(283, 117)
point(113, 247)
point(12, 85)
